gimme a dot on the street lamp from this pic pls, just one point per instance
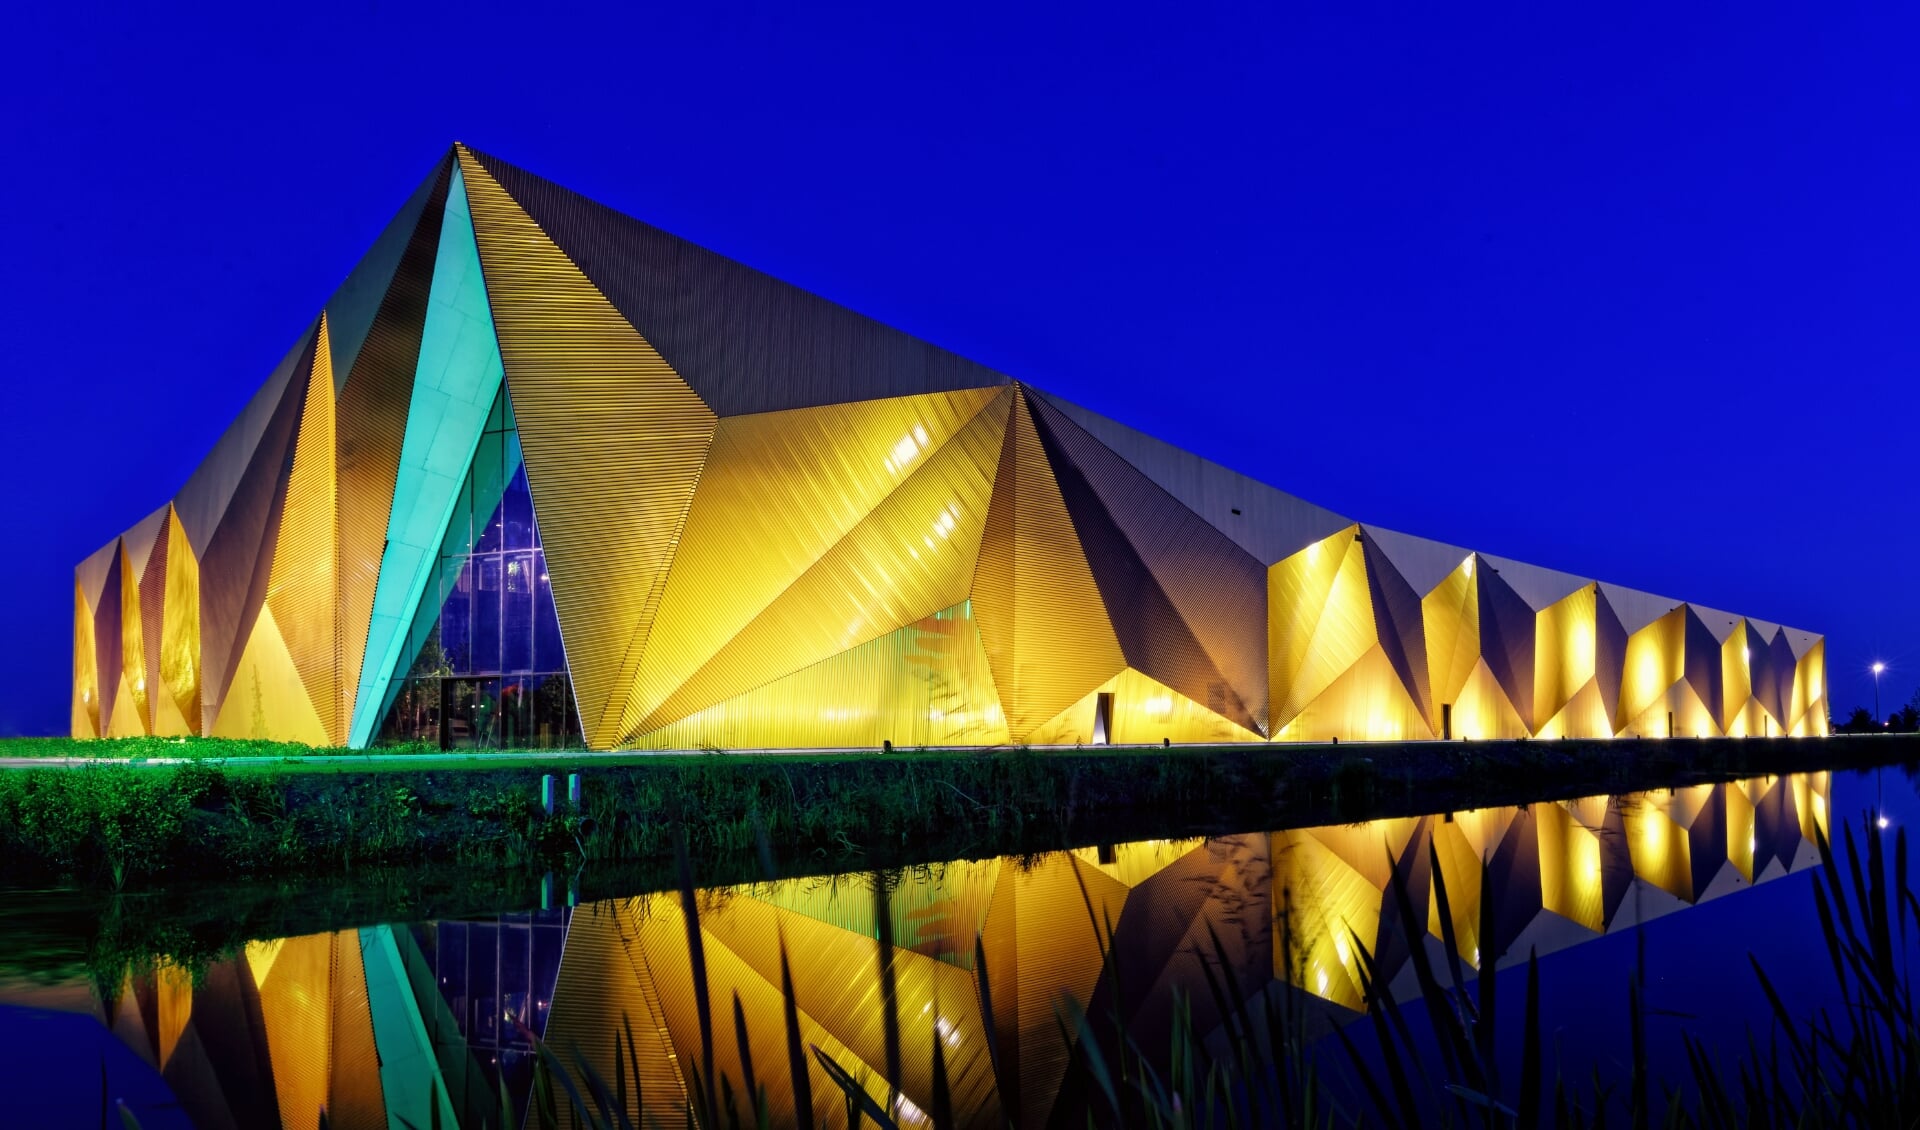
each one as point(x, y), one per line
point(1877, 668)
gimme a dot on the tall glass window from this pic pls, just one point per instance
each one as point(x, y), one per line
point(488, 670)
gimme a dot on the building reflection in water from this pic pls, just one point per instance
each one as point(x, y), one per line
point(378, 1025)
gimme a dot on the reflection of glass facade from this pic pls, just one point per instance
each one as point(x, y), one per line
point(488, 669)
point(497, 978)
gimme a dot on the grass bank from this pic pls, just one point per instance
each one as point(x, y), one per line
point(127, 825)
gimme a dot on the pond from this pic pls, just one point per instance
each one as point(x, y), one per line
point(980, 984)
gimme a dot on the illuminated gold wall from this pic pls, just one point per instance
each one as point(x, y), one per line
point(770, 522)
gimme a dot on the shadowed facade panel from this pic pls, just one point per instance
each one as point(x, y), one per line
point(744, 341)
point(539, 474)
point(1190, 603)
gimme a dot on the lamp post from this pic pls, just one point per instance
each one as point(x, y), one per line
point(1877, 668)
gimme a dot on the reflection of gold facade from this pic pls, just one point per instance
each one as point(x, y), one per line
point(769, 522)
point(378, 1025)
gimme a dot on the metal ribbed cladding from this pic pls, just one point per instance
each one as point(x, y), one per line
point(911, 557)
point(779, 491)
point(153, 603)
point(1396, 619)
point(1153, 636)
point(832, 975)
point(133, 661)
point(1046, 629)
point(373, 406)
point(1506, 640)
point(1199, 626)
point(296, 1001)
point(1269, 524)
point(179, 641)
point(1450, 617)
point(614, 443)
point(745, 341)
point(85, 722)
point(238, 556)
point(354, 309)
point(303, 588)
point(1320, 620)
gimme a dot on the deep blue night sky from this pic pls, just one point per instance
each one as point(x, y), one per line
point(1634, 296)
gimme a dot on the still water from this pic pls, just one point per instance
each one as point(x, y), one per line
point(378, 1025)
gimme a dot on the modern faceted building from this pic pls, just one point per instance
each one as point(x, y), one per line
point(539, 474)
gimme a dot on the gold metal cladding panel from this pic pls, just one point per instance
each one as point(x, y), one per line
point(1048, 637)
point(86, 679)
point(153, 596)
point(1690, 716)
point(614, 443)
point(1145, 711)
point(926, 684)
point(133, 663)
point(106, 640)
point(1809, 709)
point(1736, 681)
point(1565, 639)
point(1585, 715)
point(911, 557)
point(1450, 615)
point(266, 699)
point(780, 489)
point(303, 590)
point(1656, 659)
point(1482, 711)
point(179, 642)
point(1366, 702)
point(1320, 611)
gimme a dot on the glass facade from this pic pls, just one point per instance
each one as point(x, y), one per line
point(488, 671)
